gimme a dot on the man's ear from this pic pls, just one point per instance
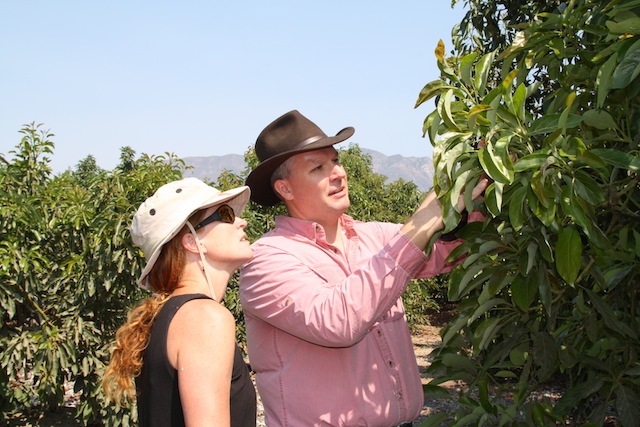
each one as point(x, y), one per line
point(281, 186)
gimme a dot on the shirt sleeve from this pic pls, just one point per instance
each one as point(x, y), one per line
point(321, 306)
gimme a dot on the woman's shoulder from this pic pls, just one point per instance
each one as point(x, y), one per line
point(204, 314)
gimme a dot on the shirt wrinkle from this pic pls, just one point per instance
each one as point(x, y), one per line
point(339, 351)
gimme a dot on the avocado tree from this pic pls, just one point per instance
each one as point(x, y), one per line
point(548, 292)
point(67, 272)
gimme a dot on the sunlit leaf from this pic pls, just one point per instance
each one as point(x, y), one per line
point(466, 68)
point(434, 88)
point(482, 71)
point(439, 52)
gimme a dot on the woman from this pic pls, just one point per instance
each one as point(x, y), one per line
point(179, 344)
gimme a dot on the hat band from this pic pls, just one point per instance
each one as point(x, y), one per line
point(309, 141)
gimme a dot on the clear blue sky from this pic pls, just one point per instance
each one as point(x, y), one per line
point(202, 78)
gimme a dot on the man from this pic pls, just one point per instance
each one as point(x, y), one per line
point(326, 328)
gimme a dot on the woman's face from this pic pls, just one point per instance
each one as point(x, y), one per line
point(226, 243)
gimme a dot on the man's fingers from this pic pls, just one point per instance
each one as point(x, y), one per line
point(482, 185)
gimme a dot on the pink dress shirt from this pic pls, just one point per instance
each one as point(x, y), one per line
point(326, 331)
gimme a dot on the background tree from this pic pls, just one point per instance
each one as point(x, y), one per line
point(548, 292)
point(86, 169)
point(67, 273)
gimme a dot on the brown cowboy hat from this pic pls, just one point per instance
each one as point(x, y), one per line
point(289, 134)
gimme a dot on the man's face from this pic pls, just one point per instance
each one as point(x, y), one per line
point(316, 188)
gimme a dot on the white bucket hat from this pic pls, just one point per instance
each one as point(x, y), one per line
point(163, 215)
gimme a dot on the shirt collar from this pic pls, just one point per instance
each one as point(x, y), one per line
point(311, 229)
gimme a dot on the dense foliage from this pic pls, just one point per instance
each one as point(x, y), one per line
point(543, 98)
point(66, 271)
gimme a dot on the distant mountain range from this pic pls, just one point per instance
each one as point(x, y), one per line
point(416, 169)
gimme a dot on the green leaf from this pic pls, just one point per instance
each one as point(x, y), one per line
point(543, 193)
point(523, 292)
point(430, 125)
point(452, 329)
point(484, 308)
point(545, 355)
point(473, 113)
point(573, 208)
point(494, 166)
point(516, 205)
point(457, 361)
point(549, 123)
point(459, 185)
point(630, 25)
point(482, 71)
point(444, 109)
point(626, 71)
point(599, 119)
point(618, 158)
point(468, 275)
point(436, 391)
point(519, 98)
point(493, 198)
point(609, 317)
point(483, 394)
point(603, 79)
point(569, 254)
point(434, 88)
point(435, 419)
point(531, 161)
point(587, 188)
point(532, 255)
point(466, 68)
point(484, 333)
point(574, 395)
point(627, 404)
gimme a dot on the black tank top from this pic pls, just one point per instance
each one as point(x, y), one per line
point(157, 385)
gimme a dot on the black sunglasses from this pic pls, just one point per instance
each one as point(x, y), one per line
point(224, 213)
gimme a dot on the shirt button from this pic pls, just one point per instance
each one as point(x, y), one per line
point(391, 363)
point(379, 332)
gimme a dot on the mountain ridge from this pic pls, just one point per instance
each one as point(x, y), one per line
point(418, 170)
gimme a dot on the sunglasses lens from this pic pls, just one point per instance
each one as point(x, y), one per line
point(226, 214)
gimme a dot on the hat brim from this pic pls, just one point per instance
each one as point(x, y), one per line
point(237, 198)
point(259, 180)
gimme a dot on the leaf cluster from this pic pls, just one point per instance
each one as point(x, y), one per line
point(548, 291)
point(67, 272)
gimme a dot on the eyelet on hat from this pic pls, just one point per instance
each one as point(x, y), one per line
point(173, 204)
